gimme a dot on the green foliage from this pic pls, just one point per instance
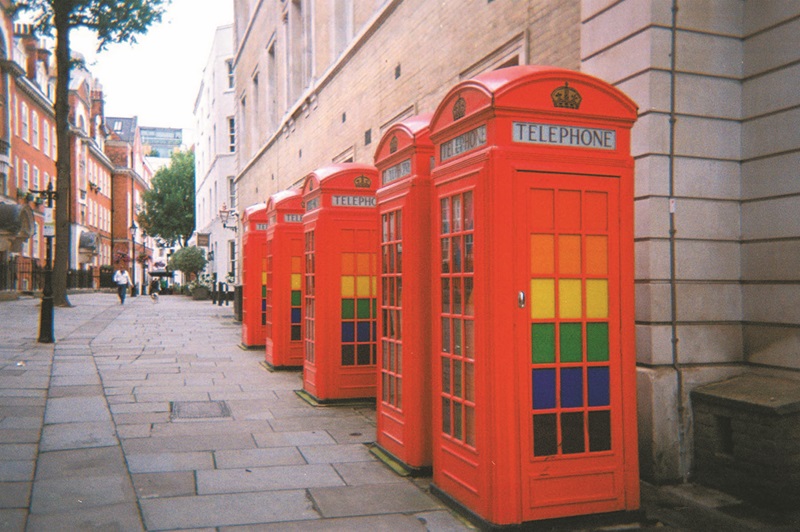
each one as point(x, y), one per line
point(168, 211)
point(188, 260)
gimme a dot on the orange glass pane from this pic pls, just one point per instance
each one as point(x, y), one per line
point(542, 254)
point(348, 263)
point(597, 255)
point(296, 265)
point(362, 264)
point(569, 254)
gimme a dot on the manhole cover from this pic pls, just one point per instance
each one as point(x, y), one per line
point(199, 409)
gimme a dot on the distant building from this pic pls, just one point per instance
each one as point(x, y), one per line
point(161, 141)
point(215, 156)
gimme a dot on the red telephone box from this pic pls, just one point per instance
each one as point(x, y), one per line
point(254, 317)
point(340, 227)
point(534, 371)
point(284, 285)
point(403, 159)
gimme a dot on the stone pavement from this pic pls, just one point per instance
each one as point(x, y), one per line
point(150, 417)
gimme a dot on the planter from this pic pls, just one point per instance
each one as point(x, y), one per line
point(200, 293)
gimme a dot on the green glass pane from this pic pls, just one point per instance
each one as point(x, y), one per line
point(295, 298)
point(263, 291)
point(348, 309)
point(570, 342)
point(363, 309)
point(543, 343)
point(375, 308)
point(597, 342)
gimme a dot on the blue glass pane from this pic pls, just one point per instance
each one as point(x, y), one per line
point(544, 388)
point(571, 387)
point(374, 330)
point(363, 331)
point(598, 386)
point(348, 331)
point(295, 315)
point(263, 305)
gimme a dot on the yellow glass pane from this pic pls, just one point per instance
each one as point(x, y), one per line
point(597, 255)
point(296, 265)
point(362, 286)
point(348, 263)
point(297, 281)
point(569, 298)
point(596, 298)
point(348, 286)
point(543, 299)
point(263, 277)
point(569, 254)
point(362, 264)
point(374, 286)
point(542, 254)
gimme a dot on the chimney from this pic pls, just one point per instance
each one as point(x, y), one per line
point(30, 44)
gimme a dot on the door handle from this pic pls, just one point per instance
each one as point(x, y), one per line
point(521, 299)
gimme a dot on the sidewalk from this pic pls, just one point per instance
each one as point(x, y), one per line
point(150, 417)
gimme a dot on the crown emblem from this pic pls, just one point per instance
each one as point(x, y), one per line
point(362, 181)
point(393, 144)
point(459, 108)
point(566, 97)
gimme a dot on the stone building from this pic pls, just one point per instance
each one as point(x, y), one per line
point(716, 148)
point(215, 156)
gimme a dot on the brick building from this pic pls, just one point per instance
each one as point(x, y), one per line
point(716, 150)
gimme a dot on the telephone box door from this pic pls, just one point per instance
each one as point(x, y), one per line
point(569, 353)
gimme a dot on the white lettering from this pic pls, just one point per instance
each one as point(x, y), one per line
point(354, 201)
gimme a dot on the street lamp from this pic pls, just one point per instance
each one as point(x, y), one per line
point(133, 229)
point(46, 318)
point(225, 214)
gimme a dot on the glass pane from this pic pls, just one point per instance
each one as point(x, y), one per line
point(391, 226)
point(456, 214)
point(348, 332)
point(445, 375)
point(445, 415)
point(469, 425)
point(385, 228)
point(446, 335)
point(569, 298)
point(444, 206)
point(596, 298)
point(363, 306)
point(457, 295)
point(468, 211)
point(457, 378)
point(399, 393)
point(543, 343)
point(598, 386)
point(569, 254)
point(542, 254)
point(545, 442)
point(469, 339)
point(445, 255)
point(398, 358)
point(399, 283)
point(364, 353)
point(399, 257)
point(469, 381)
point(570, 342)
point(543, 303)
point(457, 336)
point(544, 388)
point(398, 324)
point(469, 257)
point(596, 255)
point(348, 355)
point(398, 221)
point(457, 422)
point(469, 302)
point(597, 342)
point(571, 387)
point(347, 309)
point(385, 387)
point(457, 254)
point(600, 431)
point(385, 355)
point(446, 296)
point(572, 439)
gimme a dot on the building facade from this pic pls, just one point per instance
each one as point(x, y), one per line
point(215, 157)
point(161, 141)
point(716, 150)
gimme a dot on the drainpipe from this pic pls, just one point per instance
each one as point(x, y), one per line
point(676, 363)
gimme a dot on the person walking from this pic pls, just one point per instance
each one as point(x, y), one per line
point(123, 281)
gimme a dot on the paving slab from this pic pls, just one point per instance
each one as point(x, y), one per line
point(75, 409)
point(159, 485)
point(266, 478)
point(163, 462)
point(15, 494)
point(283, 439)
point(226, 510)
point(116, 517)
point(100, 461)
point(65, 494)
point(13, 520)
point(16, 470)
point(371, 500)
point(64, 436)
point(376, 523)
point(366, 473)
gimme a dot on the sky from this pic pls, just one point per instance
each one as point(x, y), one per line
point(157, 79)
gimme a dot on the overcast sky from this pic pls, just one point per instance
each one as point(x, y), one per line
point(157, 78)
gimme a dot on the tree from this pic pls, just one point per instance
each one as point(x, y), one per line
point(168, 212)
point(188, 260)
point(112, 21)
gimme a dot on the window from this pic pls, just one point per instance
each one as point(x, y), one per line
point(53, 143)
point(26, 176)
point(36, 184)
point(232, 134)
point(25, 124)
point(229, 66)
point(232, 258)
point(232, 193)
point(35, 129)
point(46, 139)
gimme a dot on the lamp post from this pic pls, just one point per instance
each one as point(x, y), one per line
point(46, 335)
point(133, 229)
